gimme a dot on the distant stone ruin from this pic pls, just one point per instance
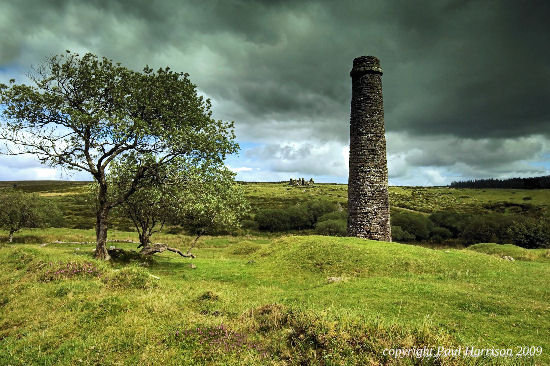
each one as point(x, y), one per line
point(368, 202)
point(301, 182)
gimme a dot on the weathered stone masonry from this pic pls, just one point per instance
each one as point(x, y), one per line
point(368, 203)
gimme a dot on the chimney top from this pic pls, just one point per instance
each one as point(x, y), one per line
point(366, 65)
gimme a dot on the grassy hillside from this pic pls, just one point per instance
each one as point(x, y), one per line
point(291, 300)
point(73, 199)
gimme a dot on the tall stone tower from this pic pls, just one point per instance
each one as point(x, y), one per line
point(368, 202)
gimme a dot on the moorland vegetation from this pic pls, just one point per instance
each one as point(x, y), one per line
point(261, 297)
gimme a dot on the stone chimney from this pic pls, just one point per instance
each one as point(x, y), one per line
point(368, 202)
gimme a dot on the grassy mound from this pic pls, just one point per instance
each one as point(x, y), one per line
point(513, 251)
point(331, 256)
point(131, 277)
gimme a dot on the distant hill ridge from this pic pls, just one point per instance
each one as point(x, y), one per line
point(515, 183)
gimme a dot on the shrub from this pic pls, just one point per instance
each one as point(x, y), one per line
point(487, 229)
point(530, 233)
point(331, 227)
point(299, 217)
point(453, 221)
point(503, 207)
point(250, 225)
point(439, 234)
point(316, 209)
point(400, 235)
point(273, 220)
point(414, 224)
point(334, 215)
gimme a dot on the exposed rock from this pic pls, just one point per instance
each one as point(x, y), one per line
point(335, 279)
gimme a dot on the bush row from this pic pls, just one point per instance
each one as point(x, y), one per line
point(326, 217)
point(452, 227)
point(442, 227)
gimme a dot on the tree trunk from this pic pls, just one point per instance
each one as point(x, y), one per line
point(10, 237)
point(143, 239)
point(102, 224)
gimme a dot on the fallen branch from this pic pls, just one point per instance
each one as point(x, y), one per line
point(159, 248)
point(148, 250)
point(87, 242)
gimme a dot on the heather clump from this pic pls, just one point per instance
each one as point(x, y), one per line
point(59, 271)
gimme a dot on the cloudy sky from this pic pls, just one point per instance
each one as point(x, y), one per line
point(466, 83)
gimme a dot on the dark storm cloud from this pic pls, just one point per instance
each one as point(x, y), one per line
point(474, 70)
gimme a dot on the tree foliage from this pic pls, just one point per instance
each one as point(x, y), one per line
point(151, 205)
point(204, 199)
point(83, 112)
point(211, 201)
point(26, 210)
point(515, 183)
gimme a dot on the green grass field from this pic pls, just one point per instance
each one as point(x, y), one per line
point(272, 299)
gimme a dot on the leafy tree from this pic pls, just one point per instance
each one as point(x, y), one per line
point(83, 112)
point(25, 210)
point(151, 205)
point(204, 198)
point(211, 201)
